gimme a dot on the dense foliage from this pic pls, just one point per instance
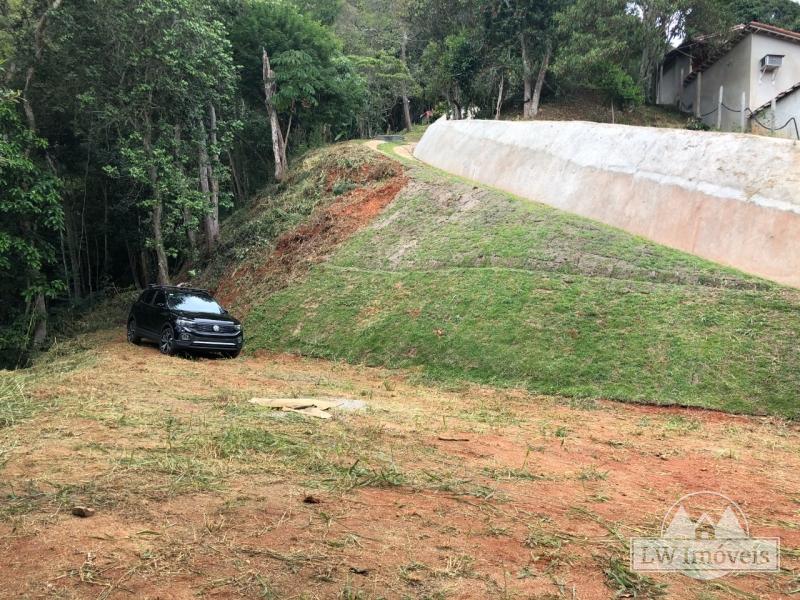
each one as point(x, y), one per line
point(131, 127)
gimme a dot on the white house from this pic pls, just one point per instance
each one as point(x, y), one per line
point(753, 70)
point(782, 111)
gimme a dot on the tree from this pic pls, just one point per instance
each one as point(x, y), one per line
point(531, 25)
point(451, 68)
point(597, 50)
point(278, 138)
point(150, 71)
point(381, 29)
point(386, 79)
point(781, 13)
point(293, 64)
point(30, 207)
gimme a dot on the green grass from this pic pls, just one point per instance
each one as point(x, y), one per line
point(15, 404)
point(468, 283)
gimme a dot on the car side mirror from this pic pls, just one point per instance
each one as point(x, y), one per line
point(225, 311)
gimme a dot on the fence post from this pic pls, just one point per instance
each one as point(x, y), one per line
point(774, 110)
point(742, 120)
point(698, 95)
point(719, 110)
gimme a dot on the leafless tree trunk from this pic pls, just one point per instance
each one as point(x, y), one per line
point(500, 96)
point(537, 91)
point(406, 102)
point(278, 143)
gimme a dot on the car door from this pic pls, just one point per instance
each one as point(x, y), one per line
point(141, 311)
point(158, 312)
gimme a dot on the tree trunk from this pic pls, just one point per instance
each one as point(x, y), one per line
point(106, 257)
point(72, 251)
point(500, 97)
point(278, 144)
point(451, 107)
point(205, 185)
point(145, 264)
point(537, 91)
point(212, 217)
point(134, 267)
point(406, 102)
point(188, 221)
point(158, 242)
point(162, 266)
point(85, 236)
point(527, 78)
point(40, 329)
point(64, 263)
point(238, 190)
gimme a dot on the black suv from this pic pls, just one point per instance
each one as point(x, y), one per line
point(182, 318)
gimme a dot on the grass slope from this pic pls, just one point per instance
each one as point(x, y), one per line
point(468, 283)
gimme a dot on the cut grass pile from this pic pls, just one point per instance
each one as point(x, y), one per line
point(468, 283)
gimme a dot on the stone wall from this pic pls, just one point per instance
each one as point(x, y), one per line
point(731, 198)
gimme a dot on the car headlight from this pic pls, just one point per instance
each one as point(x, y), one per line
point(184, 323)
point(238, 328)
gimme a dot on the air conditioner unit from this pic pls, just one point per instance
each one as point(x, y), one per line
point(770, 62)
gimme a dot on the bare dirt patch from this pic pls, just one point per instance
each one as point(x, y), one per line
point(311, 242)
point(470, 492)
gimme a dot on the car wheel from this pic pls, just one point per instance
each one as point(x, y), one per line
point(166, 344)
point(231, 354)
point(133, 337)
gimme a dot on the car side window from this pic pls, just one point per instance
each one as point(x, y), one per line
point(160, 298)
point(147, 296)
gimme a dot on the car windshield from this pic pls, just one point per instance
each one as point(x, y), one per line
point(191, 302)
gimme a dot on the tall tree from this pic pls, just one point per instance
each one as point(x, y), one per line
point(294, 64)
point(531, 25)
point(31, 213)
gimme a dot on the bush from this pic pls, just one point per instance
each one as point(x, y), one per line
point(621, 87)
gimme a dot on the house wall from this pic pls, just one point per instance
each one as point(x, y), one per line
point(671, 86)
point(786, 108)
point(763, 88)
point(733, 72)
point(728, 197)
point(737, 71)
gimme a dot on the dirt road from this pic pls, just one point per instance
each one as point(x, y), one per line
point(468, 492)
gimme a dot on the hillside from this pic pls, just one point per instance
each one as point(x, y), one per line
point(588, 106)
point(462, 282)
point(459, 490)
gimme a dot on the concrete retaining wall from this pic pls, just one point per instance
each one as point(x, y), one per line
point(731, 198)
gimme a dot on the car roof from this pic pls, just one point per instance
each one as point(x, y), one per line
point(178, 288)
